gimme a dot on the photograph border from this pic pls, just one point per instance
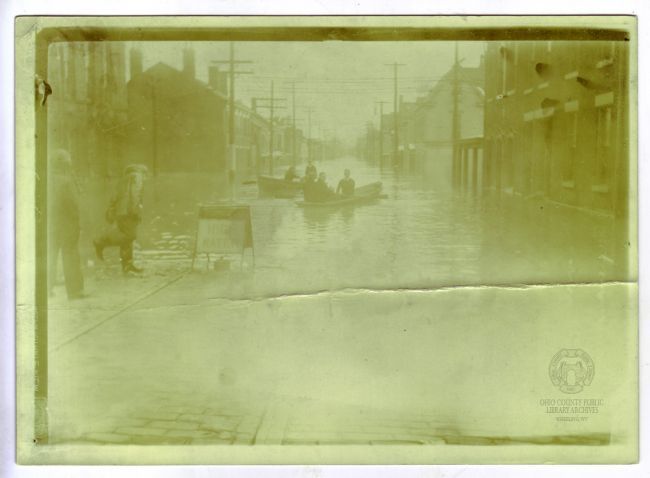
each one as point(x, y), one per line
point(23, 249)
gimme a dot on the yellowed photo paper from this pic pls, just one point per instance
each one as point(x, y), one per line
point(326, 240)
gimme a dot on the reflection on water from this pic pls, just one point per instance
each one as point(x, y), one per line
point(420, 236)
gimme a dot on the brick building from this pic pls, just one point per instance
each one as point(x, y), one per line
point(556, 122)
point(176, 122)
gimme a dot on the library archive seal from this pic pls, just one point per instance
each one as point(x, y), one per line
point(571, 370)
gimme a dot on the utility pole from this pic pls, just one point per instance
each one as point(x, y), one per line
point(395, 112)
point(455, 123)
point(272, 107)
point(154, 118)
point(328, 144)
point(272, 133)
point(320, 143)
point(368, 140)
point(231, 62)
point(309, 111)
point(381, 131)
point(293, 123)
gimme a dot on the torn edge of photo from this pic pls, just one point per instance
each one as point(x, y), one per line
point(330, 240)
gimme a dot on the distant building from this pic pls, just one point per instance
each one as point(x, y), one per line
point(425, 134)
point(176, 122)
point(460, 93)
point(251, 141)
point(295, 144)
point(556, 122)
point(87, 111)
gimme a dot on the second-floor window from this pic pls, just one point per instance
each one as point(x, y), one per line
point(572, 144)
point(604, 142)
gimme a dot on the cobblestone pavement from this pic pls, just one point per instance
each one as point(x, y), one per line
point(179, 424)
point(280, 422)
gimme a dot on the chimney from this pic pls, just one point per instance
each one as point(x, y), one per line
point(135, 62)
point(189, 66)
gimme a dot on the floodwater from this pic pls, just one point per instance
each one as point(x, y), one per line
point(420, 234)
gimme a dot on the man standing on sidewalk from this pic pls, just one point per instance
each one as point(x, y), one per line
point(64, 227)
point(125, 212)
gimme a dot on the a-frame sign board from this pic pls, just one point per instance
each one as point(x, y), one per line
point(223, 229)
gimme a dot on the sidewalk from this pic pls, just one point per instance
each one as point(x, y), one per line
point(109, 293)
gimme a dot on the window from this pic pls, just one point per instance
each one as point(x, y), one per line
point(573, 129)
point(504, 68)
point(604, 142)
point(510, 72)
point(527, 156)
point(574, 56)
point(572, 144)
point(604, 52)
point(509, 173)
point(605, 126)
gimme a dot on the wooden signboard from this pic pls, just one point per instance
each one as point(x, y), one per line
point(223, 229)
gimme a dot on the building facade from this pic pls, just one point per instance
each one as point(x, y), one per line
point(176, 122)
point(87, 111)
point(556, 122)
point(426, 135)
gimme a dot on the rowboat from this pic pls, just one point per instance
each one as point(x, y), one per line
point(278, 187)
point(362, 194)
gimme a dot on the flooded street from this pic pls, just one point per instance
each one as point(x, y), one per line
point(414, 237)
point(418, 235)
point(422, 235)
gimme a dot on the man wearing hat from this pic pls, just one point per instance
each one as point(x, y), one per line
point(63, 227)
point(125, 210)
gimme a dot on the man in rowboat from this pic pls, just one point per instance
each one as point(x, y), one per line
point(346, 185)
point(319, 191)
point(291, 174)
point(310, 170)
point(309, 186)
